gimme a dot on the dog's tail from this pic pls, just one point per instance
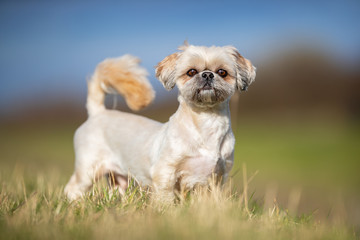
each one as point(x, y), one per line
point(124, 75)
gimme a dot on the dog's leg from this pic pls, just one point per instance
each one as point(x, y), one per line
point(164, 182)
point(85, 175)
point(78, 184)
point(117, 182)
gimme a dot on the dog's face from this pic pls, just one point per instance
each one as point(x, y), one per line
point(206, 76)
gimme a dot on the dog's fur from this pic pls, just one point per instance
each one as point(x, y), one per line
point(194, 144)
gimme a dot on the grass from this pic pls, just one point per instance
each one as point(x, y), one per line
point(306, 163)
point(38, 210)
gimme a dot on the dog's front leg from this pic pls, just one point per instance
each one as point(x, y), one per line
point(164, 180)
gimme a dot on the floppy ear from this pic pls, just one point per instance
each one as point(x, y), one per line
point(165, 71)
point(245, 71)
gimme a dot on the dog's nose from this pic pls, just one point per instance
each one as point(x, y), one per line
point(208, 76)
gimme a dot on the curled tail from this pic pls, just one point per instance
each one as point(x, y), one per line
point(125, 76)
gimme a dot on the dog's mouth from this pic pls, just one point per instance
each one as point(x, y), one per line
point(207, 89)
point(206, 94)
point(206, 86)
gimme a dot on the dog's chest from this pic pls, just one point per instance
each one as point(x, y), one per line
point(206, 156)
point(198, 169)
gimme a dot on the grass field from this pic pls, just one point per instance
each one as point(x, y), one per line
point(304, 185)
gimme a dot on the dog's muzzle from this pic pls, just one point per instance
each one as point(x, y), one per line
point(208, 78)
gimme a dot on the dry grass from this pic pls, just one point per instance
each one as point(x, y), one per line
point(34, 207)
point(314, 160)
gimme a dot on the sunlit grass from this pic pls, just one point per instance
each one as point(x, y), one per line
point(36, 162)
point(37, 209)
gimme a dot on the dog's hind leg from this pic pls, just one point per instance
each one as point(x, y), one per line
point(84, 176)
point(117, 182)
point(78, 185)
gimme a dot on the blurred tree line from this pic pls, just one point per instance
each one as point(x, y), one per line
point(301, 82)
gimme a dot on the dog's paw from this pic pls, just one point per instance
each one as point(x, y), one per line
point(72, 194)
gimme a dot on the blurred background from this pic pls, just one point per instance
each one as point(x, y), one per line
point(298, 125)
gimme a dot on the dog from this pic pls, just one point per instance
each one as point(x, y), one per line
point(196, 143)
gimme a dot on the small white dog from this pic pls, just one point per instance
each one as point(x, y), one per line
point(194, 144)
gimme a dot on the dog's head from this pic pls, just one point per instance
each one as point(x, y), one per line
point(206, 76)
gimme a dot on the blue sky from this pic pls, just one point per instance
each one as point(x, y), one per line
point(50, 47)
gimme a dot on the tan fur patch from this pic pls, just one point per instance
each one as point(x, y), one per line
point(243, 62)
point(229, 79)
point(184, 78)
point(240, 59)
point(137, 94)
point(168, 62)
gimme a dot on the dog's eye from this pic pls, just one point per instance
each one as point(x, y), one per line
point(222, 73)
point(191, 72)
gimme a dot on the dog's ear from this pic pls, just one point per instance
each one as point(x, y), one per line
point(165, 71)
point(245, 71)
